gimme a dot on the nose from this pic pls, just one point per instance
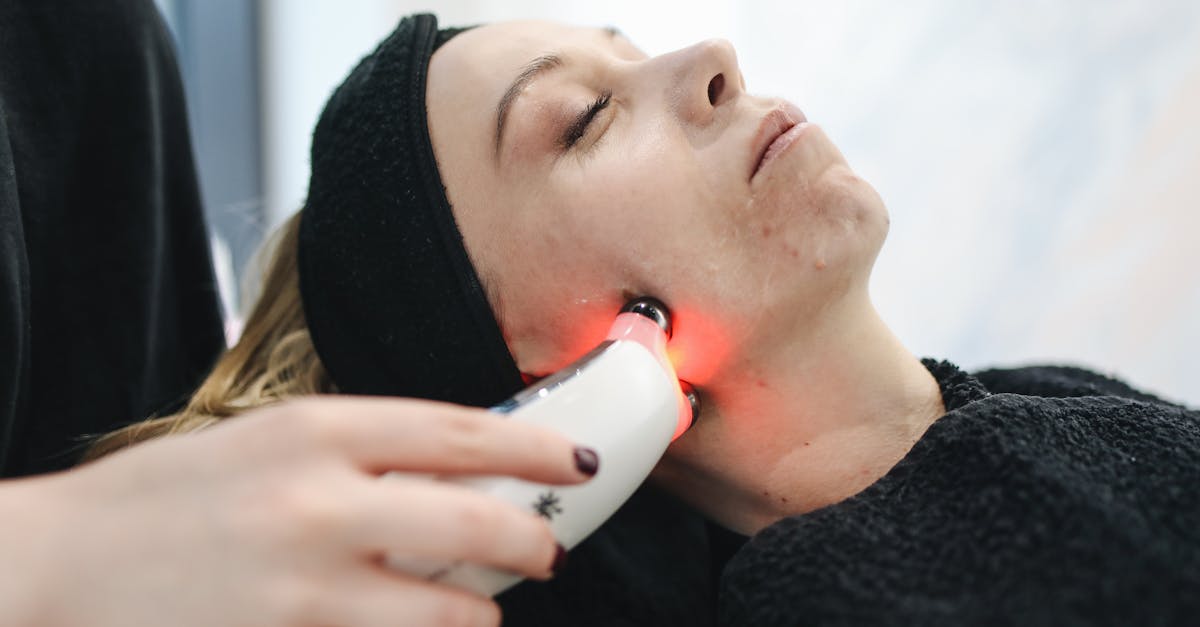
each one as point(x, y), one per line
point(706, 76)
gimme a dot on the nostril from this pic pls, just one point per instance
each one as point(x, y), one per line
point(715, 87)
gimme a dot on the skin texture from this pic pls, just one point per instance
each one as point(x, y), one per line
point(279, 518)
point(808, 396)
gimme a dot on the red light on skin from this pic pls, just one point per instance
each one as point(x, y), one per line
point(694, 352)
point(676, 355)
point(698, 347)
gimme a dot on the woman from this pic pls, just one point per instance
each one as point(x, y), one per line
point(482, 202)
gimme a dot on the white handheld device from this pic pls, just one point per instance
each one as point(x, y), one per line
point(624, 401)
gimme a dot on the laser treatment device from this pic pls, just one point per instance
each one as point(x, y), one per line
point(623, 400)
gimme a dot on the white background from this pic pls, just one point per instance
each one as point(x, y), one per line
point(1041, 160)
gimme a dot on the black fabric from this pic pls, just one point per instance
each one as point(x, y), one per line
point(108, 308)
point(1064, 381)
point(647, 565)
point(1067, 498)
point(390, 297)
point(1034, 505)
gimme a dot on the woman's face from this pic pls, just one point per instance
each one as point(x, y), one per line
point(583, 173)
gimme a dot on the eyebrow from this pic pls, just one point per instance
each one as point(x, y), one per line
point(529, 73)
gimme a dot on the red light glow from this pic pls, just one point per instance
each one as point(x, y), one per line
point(698, 348)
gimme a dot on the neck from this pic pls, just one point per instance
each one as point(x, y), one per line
point(805, 422)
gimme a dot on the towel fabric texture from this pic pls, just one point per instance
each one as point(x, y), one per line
point(390, 297)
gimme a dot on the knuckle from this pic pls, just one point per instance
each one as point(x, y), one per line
point(317, 516)
point(478, 521)
point(481, 526)
point(466, 437)
point(296, 516)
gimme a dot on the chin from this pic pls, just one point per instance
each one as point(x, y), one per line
point(853, 213)
point(847, 195)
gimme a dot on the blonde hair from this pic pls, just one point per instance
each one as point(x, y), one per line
point(273, 360)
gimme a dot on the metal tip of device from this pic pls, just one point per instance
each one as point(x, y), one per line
point(693, 398)
point(651, 308)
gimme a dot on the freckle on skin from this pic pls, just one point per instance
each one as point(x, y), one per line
point(820, 264)
point(766, 231)
point(793, 252)
point(761, 383)
point(807, 443)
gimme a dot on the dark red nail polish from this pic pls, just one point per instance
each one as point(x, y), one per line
point(586, 461)
point(560, 559)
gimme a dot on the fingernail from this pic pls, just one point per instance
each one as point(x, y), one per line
point(586, 461)
point(560, 559)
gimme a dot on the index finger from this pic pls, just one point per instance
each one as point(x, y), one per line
point(385, 434)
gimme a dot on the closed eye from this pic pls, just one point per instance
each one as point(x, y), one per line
point(576, 130)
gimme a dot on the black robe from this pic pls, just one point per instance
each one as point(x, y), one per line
point(1044, 496)
point(108, 306)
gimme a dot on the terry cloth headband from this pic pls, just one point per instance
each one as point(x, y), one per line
point(390, 297)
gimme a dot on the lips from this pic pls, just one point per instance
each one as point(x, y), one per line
point(774, 124)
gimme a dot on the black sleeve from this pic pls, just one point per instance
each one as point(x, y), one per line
point(123, 309)
point(14, 298)
point(1059, 382)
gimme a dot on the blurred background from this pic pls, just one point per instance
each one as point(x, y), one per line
point(1040, 160)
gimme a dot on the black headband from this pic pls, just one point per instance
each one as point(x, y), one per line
point(390, 297)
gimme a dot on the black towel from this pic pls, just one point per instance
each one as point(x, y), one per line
point(1067, 499)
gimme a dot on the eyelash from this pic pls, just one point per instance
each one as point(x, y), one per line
point(576, 130)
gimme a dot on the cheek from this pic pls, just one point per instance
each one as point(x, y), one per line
point(627, 220)
point(553, 300)
point(665, 230)
point(627, 210)
point(568, 259)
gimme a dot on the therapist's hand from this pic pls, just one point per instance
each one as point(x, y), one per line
point(277, 518)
